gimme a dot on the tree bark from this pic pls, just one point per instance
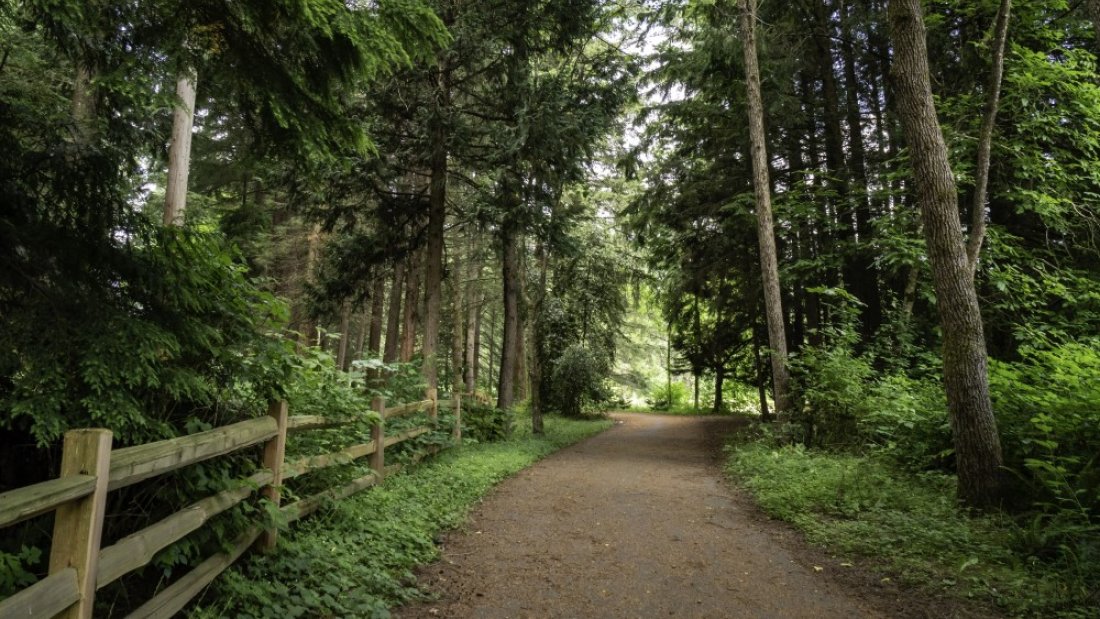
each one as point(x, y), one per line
point(966, 379)
point(342, 347)
point(510, 341)
point(411, 311)
point(458, 330)
point(179, 152)
point(437, 215)
point(769, 264)
point(719, 385)
point(393, 315)
point(377, 305)
point(985, 138)
point(473, 316)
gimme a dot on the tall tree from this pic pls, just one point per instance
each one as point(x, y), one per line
point(966, 378)
point(769, 263)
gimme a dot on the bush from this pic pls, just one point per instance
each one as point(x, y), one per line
point(829, 385)
point(1048, 408)
point(579, 379)
point(668, 396)
point(485, 423)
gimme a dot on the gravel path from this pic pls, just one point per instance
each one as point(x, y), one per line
point(635, 522)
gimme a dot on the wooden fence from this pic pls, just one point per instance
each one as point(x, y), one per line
point(90, 469)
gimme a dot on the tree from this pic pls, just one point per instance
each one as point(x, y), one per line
point(769, 263)
point(966, 378)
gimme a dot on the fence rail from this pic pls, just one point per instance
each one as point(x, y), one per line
point(91, 468)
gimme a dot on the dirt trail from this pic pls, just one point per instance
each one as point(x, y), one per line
point(635, 522)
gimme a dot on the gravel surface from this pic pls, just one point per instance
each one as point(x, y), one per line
point(638, 522)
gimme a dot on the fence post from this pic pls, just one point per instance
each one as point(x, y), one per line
point(433, 395)
point(78, 525)
point(274, 454)
point(378, 435)
point(458, 418)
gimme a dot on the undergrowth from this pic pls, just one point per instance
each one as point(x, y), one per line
point(356, 558)
point(863, 506)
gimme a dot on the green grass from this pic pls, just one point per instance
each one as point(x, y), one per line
point(356, 559)
point(862, 507)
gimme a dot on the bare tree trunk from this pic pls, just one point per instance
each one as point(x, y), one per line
point(769, 263)
point(377, 306)
point(342, 346)
point(411, 317)
point(458, 312)
point(719, 385)
point(473, 316)
point(510, 341)
point(437, 215)
point(393, 315)
point(534, 366)
point(179, 152)
point(310, 333)
point(761, 379)
point(476, 374)
point(360, 339)
point(492, 342)
point(966, 378)
point(985, 138)
point(523, 328)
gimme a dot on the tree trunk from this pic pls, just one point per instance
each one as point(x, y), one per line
point(719, 384)
point(473, 316)
point(862, 275)
point(492, 344)
point(535, 366)
point(179, 152)
point(458, 329)
point(520, 388)
point(966, 379)
point(761, 379)
point(83, 104)
point(437, 215)
point(393, 315)
point(411, 311)
point(342, 346)
point(768, 260)
point(310, 333)
point(377, 305)
point(510, 340)
point(985, 138)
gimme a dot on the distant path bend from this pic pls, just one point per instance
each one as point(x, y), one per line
point(635, 522)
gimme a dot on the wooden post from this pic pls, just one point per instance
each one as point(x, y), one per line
point(78, 525)
point(432, 395)
point(458, 419)
point(274, 454)
point(378, 435)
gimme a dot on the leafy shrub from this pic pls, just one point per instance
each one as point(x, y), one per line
point(486, 423)
point(667, 396)
point(829, 385)
point(578, 378)
point(907, 419)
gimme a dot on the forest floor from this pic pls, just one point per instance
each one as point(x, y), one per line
point(640, 522)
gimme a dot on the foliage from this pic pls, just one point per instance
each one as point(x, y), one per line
point(1048, 405)
point(860, 507)
point(579, 378)
point(486, 423)
point(355, 559)
point(667, 396)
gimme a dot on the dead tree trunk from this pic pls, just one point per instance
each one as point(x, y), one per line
point(179, 152)
point(393, 315)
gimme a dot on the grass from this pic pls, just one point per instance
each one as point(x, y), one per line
point(356, 559)
point(860, 506)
